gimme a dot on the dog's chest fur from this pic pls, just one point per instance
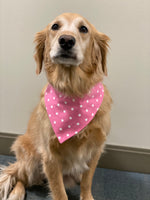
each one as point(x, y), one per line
point(76, 162)
point(75, 154)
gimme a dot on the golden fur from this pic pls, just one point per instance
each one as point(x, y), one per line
point(38, 152)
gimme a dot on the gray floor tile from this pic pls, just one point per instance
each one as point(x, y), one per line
point(107, 185)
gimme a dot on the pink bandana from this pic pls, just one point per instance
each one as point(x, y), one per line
point(68, 115)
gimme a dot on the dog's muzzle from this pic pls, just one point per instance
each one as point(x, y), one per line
point(67, 52)
point(66, 42)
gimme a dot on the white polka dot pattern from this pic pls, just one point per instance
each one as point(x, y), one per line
point(68, 116)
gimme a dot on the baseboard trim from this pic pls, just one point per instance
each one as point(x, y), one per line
point(114, 157)
point(126, 159)
point(6, 140)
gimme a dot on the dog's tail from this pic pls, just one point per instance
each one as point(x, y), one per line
point(9, 183)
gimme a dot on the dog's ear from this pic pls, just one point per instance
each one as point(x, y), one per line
point(39, 40)
point(100, 49)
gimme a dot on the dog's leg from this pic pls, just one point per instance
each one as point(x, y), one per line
point(18, 193)
point(7, 180)
point(55, 178)
point(26, 169)
point(17, 175)
point(86, 182)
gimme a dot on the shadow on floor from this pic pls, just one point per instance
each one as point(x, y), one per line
point(42, 192)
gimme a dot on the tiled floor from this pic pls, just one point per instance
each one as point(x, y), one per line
point(107, 185)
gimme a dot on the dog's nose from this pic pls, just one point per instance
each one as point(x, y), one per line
point(67, 41)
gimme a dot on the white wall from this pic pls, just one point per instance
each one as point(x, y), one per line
point(128, 25)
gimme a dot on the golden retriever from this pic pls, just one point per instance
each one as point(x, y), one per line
point(74, 54)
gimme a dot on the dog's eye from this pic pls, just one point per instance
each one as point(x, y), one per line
point(83, 29)
point(55, 27)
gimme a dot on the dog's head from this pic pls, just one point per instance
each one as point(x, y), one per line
point(73, 52)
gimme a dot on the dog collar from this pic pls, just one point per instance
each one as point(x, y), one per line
point(69, 115)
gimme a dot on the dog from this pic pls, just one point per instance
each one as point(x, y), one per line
point(66, 134)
